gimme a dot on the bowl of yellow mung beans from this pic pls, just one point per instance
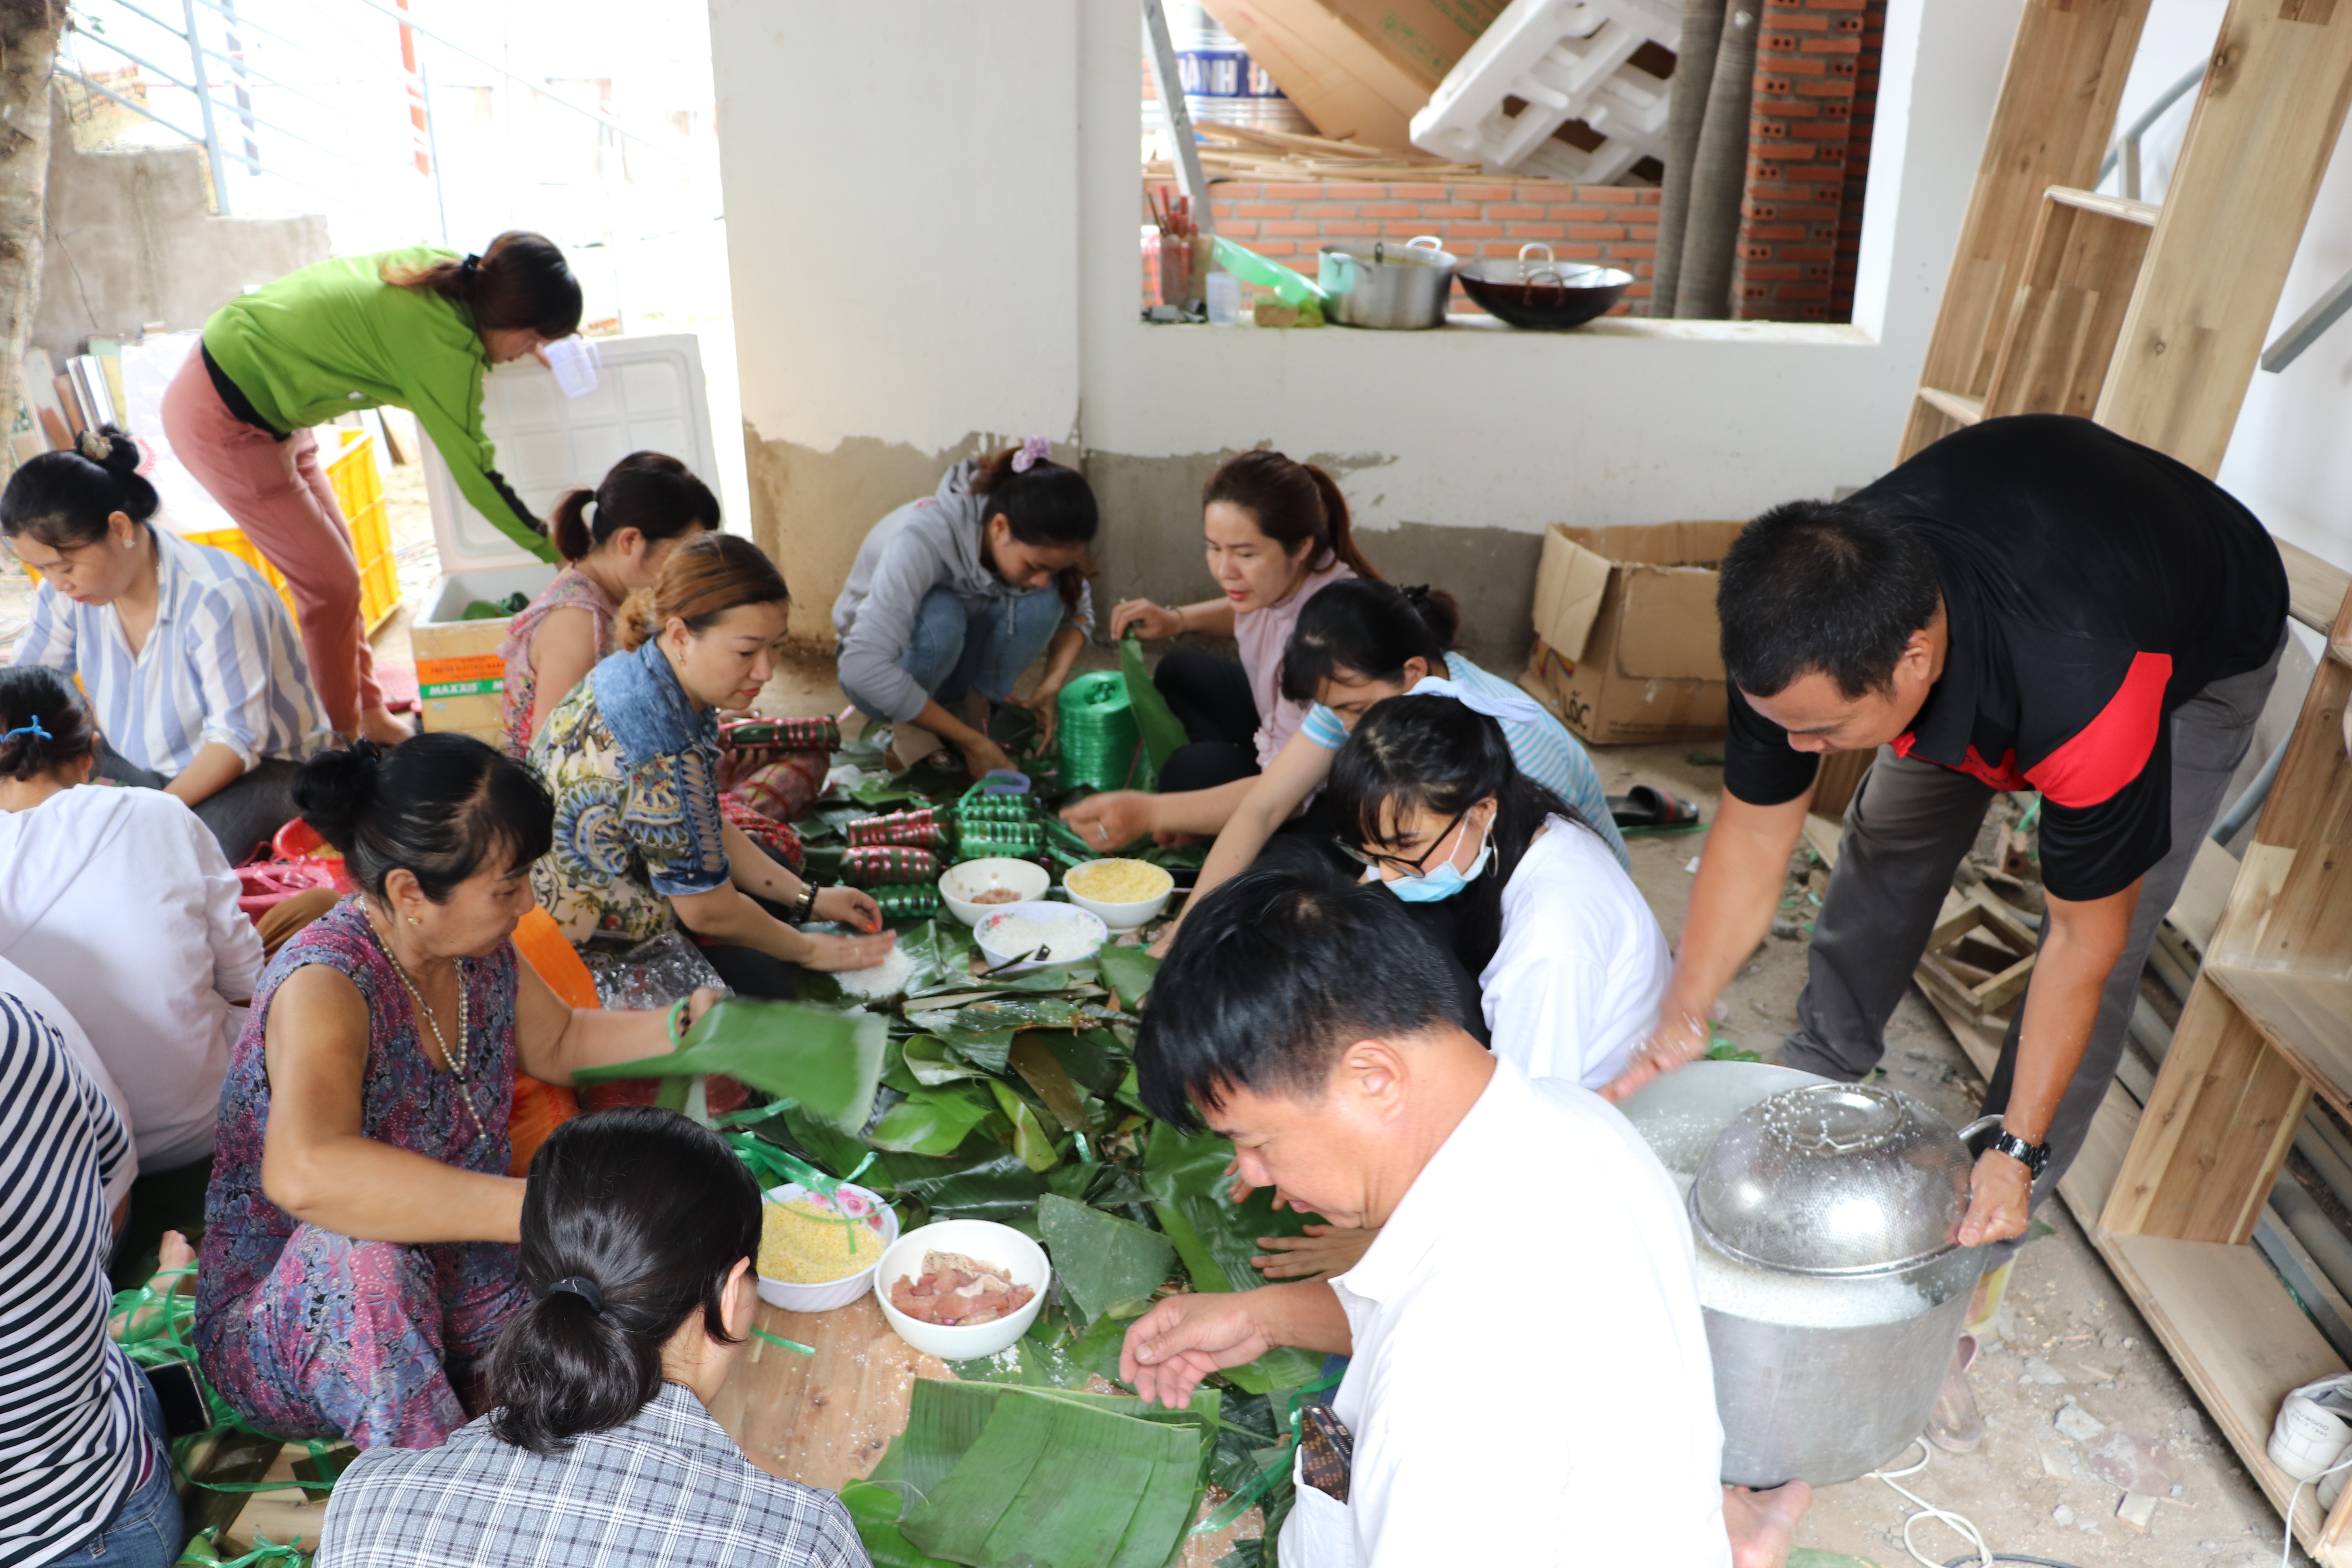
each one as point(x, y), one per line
point(1122, 894)
point(818, 1250)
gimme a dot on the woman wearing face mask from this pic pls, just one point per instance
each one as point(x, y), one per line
point(638, 1234)
point(954, 595)
point(642, 848)
point(414, 329)
point(1278, 533)
point(614, 540)
point(359, 1233)
point(1571, 962)
point(1359, 643)
point(186, 652)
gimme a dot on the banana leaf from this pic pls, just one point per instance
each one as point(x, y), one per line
point(1127, 971)
point(1162, 731)
point(1103, 1261)
point(1030, 1139)
point(1216, 1238)
point(1000, 1013)
point(990, 1049)
point(929, 1063)
point(1062, 1359)
point(1000, 1476)
point(1042, 1070)
point(873, 1507)
point(983, 1180)
point(829, 1062)
point(930, 1120)
point(1095, 1058)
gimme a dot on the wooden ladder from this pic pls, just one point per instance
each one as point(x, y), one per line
point(2151, 321)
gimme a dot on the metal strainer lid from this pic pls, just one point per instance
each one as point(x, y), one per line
point(1833, 1179)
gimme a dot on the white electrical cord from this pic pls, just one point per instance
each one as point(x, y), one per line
point(1958, 1524)
point(2286, 1534)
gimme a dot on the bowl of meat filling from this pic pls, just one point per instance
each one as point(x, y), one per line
point(963, 1288)
point(979, 888)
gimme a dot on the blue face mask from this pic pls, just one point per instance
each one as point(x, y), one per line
point(1430, 887)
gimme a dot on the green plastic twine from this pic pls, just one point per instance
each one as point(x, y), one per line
point(1099, 736)
point(1239, 1504)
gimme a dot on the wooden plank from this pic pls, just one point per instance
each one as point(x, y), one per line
point(2204, 894)
point(2070, 302)
point(2238, 1338)
point(2307, 1017)
point(2215, 1130)
point(823, 1420)
point(1962, 411)
point(2050, 126)
point(2316, 589)
point(2267, 117)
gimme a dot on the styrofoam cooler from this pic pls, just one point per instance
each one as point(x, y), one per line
point(1559, 60)
point(649, 397)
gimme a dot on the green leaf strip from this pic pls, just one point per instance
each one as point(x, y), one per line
point(794, 1345)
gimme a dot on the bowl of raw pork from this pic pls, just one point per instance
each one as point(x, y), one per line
point(956, 1289)
point(978, 888)
point(1022, 937)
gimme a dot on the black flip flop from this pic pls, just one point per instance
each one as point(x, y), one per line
point(1644, 809)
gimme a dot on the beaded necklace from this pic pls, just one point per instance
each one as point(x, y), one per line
point(455, 1058)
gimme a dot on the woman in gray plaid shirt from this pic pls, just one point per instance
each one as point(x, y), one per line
point(639, 1232)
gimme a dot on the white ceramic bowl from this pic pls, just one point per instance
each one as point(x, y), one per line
point(1126, 916)
point(797, 1298)
point(958, 884)
point(983, 1241)
point(1085, 922)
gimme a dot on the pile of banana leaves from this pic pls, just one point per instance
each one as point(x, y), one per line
point(1012, 1098)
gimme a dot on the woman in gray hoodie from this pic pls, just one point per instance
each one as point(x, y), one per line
point(953, 597)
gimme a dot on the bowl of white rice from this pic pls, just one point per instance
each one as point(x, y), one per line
point(1125, 893)
point(1038, 933)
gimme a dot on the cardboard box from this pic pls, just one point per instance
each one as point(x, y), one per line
point(1361, 69)
point(1627, 649)
point(460, 679)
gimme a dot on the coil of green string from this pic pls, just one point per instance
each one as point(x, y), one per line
point(975, 807)
point(1099, 736)
point(1003, 840)
point(907, 902)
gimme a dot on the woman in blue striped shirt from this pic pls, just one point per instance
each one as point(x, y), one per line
point(1357, 643)
point(198, 677)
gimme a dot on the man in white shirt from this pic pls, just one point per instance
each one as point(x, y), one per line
point(1525, 1332)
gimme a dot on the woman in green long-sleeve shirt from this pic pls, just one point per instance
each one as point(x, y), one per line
point(416, 329)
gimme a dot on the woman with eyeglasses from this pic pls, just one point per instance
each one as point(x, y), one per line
point(1570, 961)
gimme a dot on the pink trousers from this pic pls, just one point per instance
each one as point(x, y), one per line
point(278, 494)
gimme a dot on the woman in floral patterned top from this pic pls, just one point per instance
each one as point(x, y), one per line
point(359, 1233)
point(645, 505)
point(642, 848)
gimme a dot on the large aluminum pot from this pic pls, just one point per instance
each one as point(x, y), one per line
point(1801, 1401)
point(1402, 290)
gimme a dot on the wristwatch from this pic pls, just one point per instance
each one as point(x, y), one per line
point(2034, 1157)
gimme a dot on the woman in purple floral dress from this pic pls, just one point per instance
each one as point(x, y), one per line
point(359, 1249)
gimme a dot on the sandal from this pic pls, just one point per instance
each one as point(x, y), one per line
point(1646, 809)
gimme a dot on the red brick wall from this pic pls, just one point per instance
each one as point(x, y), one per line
point(1809, 155)
point(1612, 225)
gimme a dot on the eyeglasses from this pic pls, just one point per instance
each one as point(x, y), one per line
point(1414, 867)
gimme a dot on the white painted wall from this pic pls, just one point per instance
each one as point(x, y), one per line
point(932, 215)
point(902, 222)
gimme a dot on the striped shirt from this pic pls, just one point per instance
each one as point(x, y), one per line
point(221, 663)
point(667, 1487)
point(71, 1442)
point(1544, 750)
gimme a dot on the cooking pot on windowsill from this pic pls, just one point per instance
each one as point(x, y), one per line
point(1535, 291)
point(1399, 290)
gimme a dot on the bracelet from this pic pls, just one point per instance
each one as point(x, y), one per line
point(803, 907)
point(675, 1025)
point(1181, 625)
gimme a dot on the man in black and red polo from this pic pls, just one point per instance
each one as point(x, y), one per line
point(2033, 604)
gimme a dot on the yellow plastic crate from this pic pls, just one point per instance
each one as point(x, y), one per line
point(359, 490)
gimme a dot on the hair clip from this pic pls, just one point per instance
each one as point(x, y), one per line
point(1416, 594)
point(1035, 449)
point(95, 446)
point(32, 728)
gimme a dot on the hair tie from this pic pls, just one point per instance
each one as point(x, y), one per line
point(585, 1289)
point(1417, 595)
point(95, 445)
point(471, 265)
point(1035, 449)
point(32, 727)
